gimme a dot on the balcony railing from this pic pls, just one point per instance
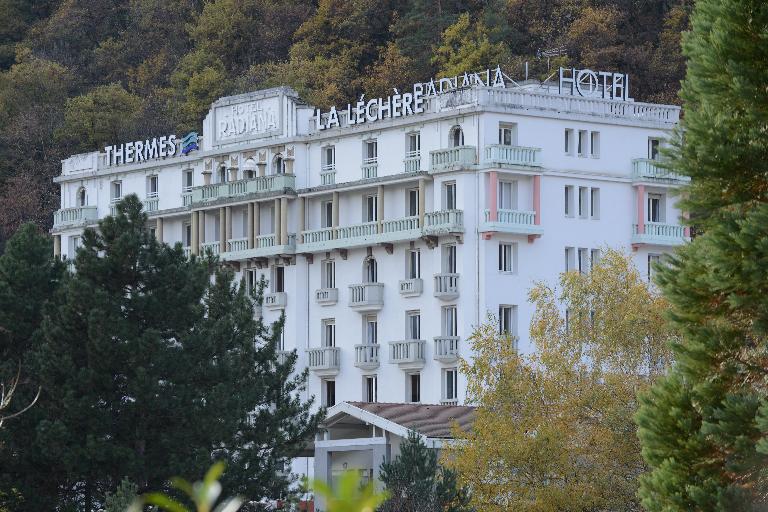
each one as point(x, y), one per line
point(186, 198)
point(655, 233)
point(317, 235)
point(151, 204)
point(237, 244)
point(446, 349)
point(446, 286)
point(357, 230)
point(411, 287)
point(412, 162)
point(327, 296)
point(511, 221)
point(366, 296)
point(370, 169)
point(328, 177)
point(212, 246)
point(407, 354)
point(452, 158)
point(275, 300)
point(367, 356)
point(496, 154)
point(645, 169)
point(324, 361)
point(260, 184)
point(75, 216)
point(367, 233)
point(444, 222)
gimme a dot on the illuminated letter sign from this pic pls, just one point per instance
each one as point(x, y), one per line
point(588, 83)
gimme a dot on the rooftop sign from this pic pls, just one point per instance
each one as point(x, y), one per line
point(603, 84)
point(141, 150)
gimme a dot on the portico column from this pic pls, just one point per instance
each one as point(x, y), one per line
point(537, 199)
point(276, 221)
point(256, 223)
point(201, 229)
point(228, 211)
point(422, 202)
point(262, 168)
point(249, 228)
point(641, 209)
point(379, 207)
point(283, 221)
point(335, 212)
point(194, 244)
point(57, 246)
point(380, 453)
point(207, 177)
point(322, 473)
point(302, 213)
point(493, 196)
point(159, 230)
point(222, 229)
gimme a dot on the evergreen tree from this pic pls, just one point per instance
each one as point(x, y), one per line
point(417, 483)
point(122, 498)
point(153, 365)
point(703, 428)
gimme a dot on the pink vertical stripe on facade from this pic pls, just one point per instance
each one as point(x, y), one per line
point(640, 209)
point(493, 195)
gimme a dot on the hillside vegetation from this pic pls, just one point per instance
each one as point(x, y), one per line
point(78, 74)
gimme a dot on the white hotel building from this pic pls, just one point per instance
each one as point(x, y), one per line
point(385, 242)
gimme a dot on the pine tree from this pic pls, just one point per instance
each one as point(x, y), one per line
point(703, 427)
point(417, 483)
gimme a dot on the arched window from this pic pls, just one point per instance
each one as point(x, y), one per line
point(82, 198)
point(456, 136)
point(370, 274)
point(249, 168)
point(278, 165)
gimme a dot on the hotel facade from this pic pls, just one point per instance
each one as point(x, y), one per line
point(388, 228)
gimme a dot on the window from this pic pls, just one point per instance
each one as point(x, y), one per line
point(594, 258)
point(370, 270)
point(507, 195)
point(569, 200)
point(507, 257)
point(326, 214)
point(594, 144)
point(413, 144)
point(371, 326)
point(508, 134)
point(413, 387)
point(582, 145)
point(251, 280)
point(328, 158)
point(412, 202)
point(583, 260)
point(370, 151)
point(152, 186)
point(655, 212)
point(413, 264)
point(653, 149)
point(508, 320)
point(456, 136)
point(187, 180)
point(278, 279)
point(328, 274)
point(330, 393)
point(81, 197)
point(449, 195)
point(568, 141)
point(449, 258)
point(221, 175)
point(594, 203)
point(329, 332)
point(371, 208)
point(583, 198)
point(570, 259)
point(116, 191)
point(278, 165)
point(186, 235)
point(450, 384)
point(450, 325)
point(75, 242)
point(370, 388)
point(413, 325)
point(653, 259)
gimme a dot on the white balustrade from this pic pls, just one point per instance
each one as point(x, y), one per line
point(412, 163)
point(76, 215)
point(444, 221)
point(459, 156)
point(212, 246)
point(411, 287)
point(367, 356)
point(524, 218)
point(645, 169)
point(408, 353)
point(264, 241)
point(446, 286)
point(446, 349)
point(369, 168)
point(396, 225)
point(275, 300)
point(366, 296)
point(237, 244)
point(327, 296)
point(357, 230)
point(324, 360)
point(513, 155)
point(151, 205)
point(317, 235)
point(328, 177)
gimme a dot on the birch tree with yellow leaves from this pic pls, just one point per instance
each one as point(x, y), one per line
point(554, 429)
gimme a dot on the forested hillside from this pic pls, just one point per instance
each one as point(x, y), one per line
point(78, 74)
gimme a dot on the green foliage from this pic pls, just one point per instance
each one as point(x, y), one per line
point(466, 46)
point(417, 483)
point(125, 494)
point(349, 495)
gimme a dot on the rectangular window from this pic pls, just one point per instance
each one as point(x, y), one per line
point(569, 200)
point(326, 214)
point(570, 259)
point(371, 388)
point(583, 260)
point(328, 274)
point(508, 320)
point(594, 258)
point(329, 332)
point(371, 325)
point(655, 211)
point(451, 385)
point(449, 196)
point(582, 144)
point(278, 279)
point(412, 202)
point(653, 259)
point(251, 278)
point(151, 186)
point(594, 144)
point(594, 203)
point(221, 175)
point(330, 393)
point(450, 321)
point(413, 387)
point(186, 235)
point(449, 258)
point(413, 264)
point(508, 134)
point(371, 208)
point(568, 141)
point(187, 180)
point(370, 151)
point(413, 144)
point(653, 149)
point(507, 257)
point(583, 199)
point(413, 325)
point(507, 199)
point(328, 158)
point(75, 242)
point(116, 191)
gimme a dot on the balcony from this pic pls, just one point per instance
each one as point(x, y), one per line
point(408, 354)
point(367, 356)
point(213, 247)
point(328, 177)
point(501, 155)
point(327, 296)
point(360, 235)
point(370, 168)
point(234, 189)
point(444, 222)
point(78, 216)
point(237, 244)
point(447, 349)
point(451, 159)
point(411, 287)
point(275, 300)
point(324, 361)
point(412, 162)
point(186, 198)
point(365, 297)
point(446, 286)
point(263, 246)
point(511, 221)
point(655, 233)
point(649, 171)
point(151, 204)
